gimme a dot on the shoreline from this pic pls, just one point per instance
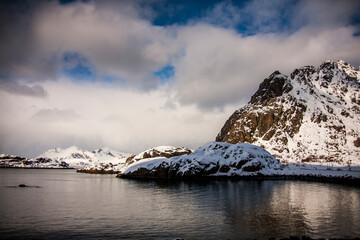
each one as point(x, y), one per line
point(308, 178)
point(96, 171)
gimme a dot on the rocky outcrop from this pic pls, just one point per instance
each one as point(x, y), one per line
point(211, 160)
point(312, 115)
point(160, 151)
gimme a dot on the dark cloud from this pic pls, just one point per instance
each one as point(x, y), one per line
point(20, 54)
point(26, 90)
point(169, 105)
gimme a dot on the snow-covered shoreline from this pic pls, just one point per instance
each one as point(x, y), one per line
point(217, 160)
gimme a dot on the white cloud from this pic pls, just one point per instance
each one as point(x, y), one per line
point(215, 71)
point(116, 40)
point(95, 115)
point(220, 67)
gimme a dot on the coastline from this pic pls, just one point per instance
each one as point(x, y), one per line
point(310, 178)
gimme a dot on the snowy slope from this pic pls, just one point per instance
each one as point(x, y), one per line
point(212, 159)
point(311, 116)
point(73, 156)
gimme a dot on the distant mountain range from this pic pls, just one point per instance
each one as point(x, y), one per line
point(102, 160)
point(310, 116)
point(72, 157)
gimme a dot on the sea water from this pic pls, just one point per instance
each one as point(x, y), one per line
point(63, 204)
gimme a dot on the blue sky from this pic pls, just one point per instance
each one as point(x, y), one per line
point(177, 64)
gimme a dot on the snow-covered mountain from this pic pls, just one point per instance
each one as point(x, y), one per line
point(104, 159)
point(73, 156)
point(212, 159)
point(79, 159)
point(14, 161)
point(312, 115)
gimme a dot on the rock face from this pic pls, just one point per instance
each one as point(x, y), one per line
point(212, 159)
point(313, 115)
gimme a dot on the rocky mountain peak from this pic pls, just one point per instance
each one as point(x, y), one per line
point(310, 115)
point(273, 86)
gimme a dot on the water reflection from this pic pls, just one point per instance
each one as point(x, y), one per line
point(81, 206)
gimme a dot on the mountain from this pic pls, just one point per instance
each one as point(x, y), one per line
point(311, 115)
point(73, 156)
point(102, 158)
point(212, 159)
point(156, 152)
point(105, 161)
point(13, 161)
point(160, 151)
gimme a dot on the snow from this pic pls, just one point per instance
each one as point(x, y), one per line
point(213, 154)
point(74, 157)
point(148, 163)
point(156, 151)
point(216, 155)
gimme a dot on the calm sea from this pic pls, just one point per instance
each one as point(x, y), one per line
point(63, 204)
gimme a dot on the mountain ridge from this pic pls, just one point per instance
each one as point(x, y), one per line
point(311, 115)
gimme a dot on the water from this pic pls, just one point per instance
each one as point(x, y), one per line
point(63, 204)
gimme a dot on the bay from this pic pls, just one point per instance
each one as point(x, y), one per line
point(63, 204)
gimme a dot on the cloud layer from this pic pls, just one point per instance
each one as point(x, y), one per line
point(97, 73)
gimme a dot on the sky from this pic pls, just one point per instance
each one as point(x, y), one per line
point(135, 74)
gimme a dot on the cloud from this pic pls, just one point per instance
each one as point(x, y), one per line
point(34, 90)
point(93, 115)
point(116, 40)
point(328, 14)
point(101, 73)
point(55, 115)
point(221, 67)
point(169, 105)
point(111, 34)
point(225, 63)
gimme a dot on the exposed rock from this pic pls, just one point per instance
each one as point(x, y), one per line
point(357, 142)
point(310, 116)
